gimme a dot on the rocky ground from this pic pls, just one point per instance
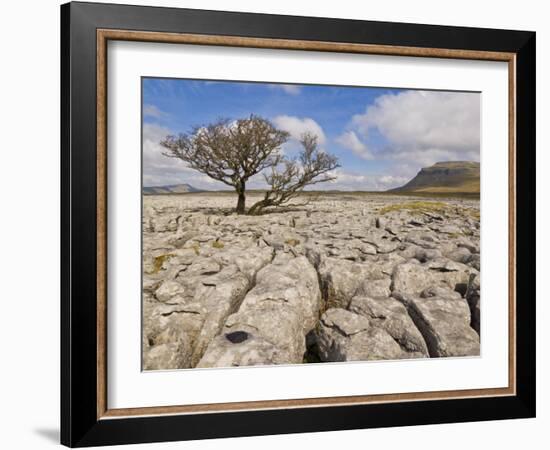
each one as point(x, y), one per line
point(344, 277)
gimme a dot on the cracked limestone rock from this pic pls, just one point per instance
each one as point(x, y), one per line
point(390, 315)
point(209, 273)
point(443, 318)
point(281, 309)
point(413, 277)
point(345, 336)
point(473, 298)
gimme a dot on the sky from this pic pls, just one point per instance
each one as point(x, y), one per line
point(382, 137)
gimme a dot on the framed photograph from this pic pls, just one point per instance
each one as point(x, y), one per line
point(276, 224)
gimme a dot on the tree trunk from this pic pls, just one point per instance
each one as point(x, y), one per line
point(258, 207)
point(241, 201)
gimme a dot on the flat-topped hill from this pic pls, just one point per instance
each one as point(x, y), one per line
point(445, 177)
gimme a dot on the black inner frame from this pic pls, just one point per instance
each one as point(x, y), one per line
point(79, 423)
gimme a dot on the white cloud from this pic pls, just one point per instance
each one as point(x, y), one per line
point(425, 126)
point(425, 157)
point(350, 141)
point(159, 170)
point(297, 126)
point(352, 181)
point(153, 111)
point(291, 89)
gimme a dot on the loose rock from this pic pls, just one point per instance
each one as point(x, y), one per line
point(443, 318)
point(346, 336)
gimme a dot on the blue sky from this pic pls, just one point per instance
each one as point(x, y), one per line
point(382, 137)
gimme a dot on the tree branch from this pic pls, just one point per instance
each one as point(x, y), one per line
point(289, 178)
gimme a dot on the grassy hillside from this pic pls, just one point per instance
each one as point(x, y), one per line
point(445, 177)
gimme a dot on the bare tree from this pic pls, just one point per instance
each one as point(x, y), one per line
point(230, 152)
point(289, 177)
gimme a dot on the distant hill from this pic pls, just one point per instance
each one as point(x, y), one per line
point(445, 177)
point(170, 189)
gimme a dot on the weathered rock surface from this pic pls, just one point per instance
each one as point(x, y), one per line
point(344, 277)
point(197, 297)
point(281, 310)
point(169, 356)
point(390, 315)
point(412, 277)
point(341, 280)
point(443, 318)
point(473, 297)
point(346, 336)
point(228, 350)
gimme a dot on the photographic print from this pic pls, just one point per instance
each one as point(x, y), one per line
point(299, 224)
point(252, 199)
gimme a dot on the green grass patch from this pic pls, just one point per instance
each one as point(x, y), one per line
point(418, 206)
point(292, 242)
point(454, 235)
point(159, 262)
point(218, 244)
point(473, 213)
